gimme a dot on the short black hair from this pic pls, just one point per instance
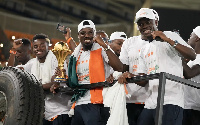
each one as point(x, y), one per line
point(26, 42)
point(41, 36)
point(86, 23)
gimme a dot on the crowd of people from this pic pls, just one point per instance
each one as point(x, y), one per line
point(99, 58)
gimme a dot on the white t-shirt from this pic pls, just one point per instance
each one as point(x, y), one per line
point(130, 56)
point(83, 74)
point(55, 104)
point(192, 95)
point(156, 57)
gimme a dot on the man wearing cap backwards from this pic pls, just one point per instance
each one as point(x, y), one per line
point(191, 113)
point(129, 56)
point(43, 68)
point(116, 41)
point(155, 57)
point(93, 59)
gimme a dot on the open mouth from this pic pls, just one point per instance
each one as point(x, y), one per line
point(88, 41)
point(38, 53)
point(147, 31)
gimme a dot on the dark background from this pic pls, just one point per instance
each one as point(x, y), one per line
point(183, 20)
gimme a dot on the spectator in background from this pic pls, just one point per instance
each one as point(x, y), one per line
point(116, 41)
point(21, 51)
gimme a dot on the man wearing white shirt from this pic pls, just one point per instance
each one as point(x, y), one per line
point(130, 56)
point(161, 55)
point(93, 59)
point(43, 68)
point(192, 71)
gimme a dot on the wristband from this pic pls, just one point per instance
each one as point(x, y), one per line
point(69, 40)
point(12, 52)
point(175, 43)
point(107, 48)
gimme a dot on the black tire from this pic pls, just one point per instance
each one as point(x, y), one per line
point(22, 98)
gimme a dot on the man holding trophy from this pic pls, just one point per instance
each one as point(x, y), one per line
point(43, 68)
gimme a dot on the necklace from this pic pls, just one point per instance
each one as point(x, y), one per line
point(77, 63)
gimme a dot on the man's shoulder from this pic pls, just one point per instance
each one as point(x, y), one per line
point(170, 33)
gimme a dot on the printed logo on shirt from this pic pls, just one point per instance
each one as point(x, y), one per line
point(83, 70)
point(149, 54)
point(135, 68)
point(153, 70)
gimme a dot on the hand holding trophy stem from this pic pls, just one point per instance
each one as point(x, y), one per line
point(61, 51)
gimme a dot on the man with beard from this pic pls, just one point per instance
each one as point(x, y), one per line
point(72, 44)
point(192, 71)
point(43, 68)
point(21, 51)
point(160, 54)
point(93, 58)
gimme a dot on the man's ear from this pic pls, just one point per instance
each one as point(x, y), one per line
point(197, 39)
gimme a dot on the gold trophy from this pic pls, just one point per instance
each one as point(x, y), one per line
point(61, 51)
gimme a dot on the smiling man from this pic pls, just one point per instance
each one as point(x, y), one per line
point(162, 53)
point(43, 68)
point(93, 58)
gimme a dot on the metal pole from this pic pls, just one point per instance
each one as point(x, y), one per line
point(160, 99)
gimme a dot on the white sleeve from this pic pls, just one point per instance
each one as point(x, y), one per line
point(54, 65)
point(107, 67)
point(104, 55)
point(141, 66)
point(196, 61)
point(124, 53)
point(27, 67)
point(174, 36)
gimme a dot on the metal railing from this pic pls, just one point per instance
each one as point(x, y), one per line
point(161, 89)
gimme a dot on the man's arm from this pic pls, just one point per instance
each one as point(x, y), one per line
point(70, 42)
point(190, 72)
point(114, 60)
point(185, 51)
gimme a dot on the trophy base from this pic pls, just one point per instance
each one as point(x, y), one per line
point(60, 80)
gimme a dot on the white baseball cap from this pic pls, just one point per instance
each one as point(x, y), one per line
point(86, 24)
point(144, 12)
point(118, 35)
point(197, 31)
point(156, 15)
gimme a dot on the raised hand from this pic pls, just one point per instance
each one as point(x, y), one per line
point(68, 34)
point(98, 39)
point(17, 43)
